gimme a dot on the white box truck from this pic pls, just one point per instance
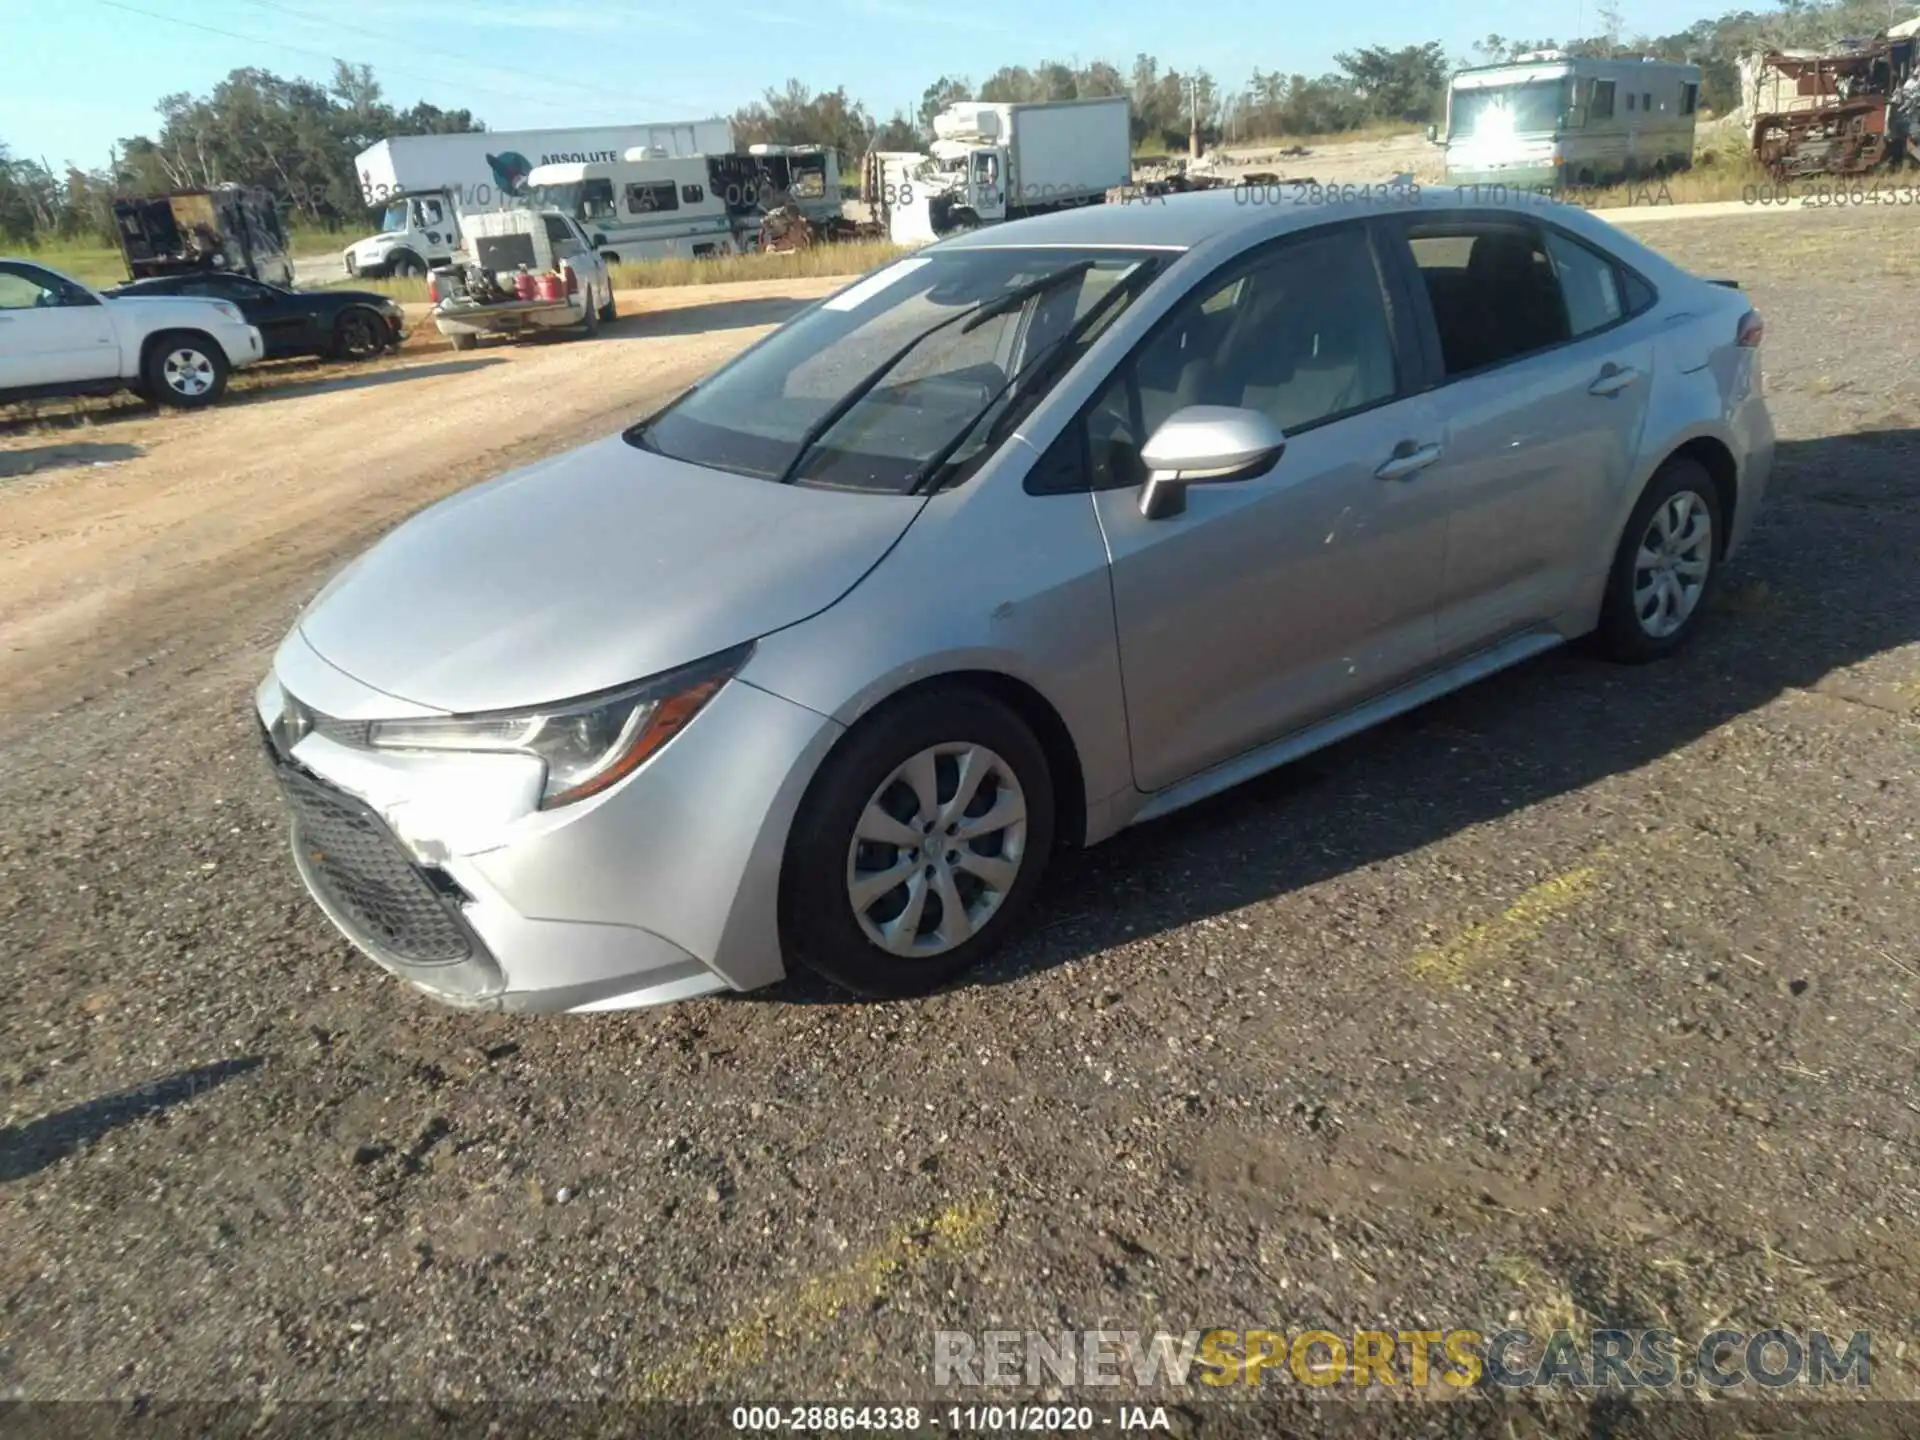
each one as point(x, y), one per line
point(423, 182)
point(994, 162)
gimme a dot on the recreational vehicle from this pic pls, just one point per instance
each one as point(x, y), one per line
point(1552, 120)
point(656, 208)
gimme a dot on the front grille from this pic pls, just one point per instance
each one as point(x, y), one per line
point(353, 861)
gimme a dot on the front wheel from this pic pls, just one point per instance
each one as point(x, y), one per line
point(918, 845)
point(184, 370)
point(408, 266)
point(1665, 567)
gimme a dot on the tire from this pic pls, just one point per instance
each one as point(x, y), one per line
point(463, 342)
point(183, 369)
point(819, 925)
point(406, 265)
point(609, 312)
point(590, 321)
point(357, 335)
point(1680, 494)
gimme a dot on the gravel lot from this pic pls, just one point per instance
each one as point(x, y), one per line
point(1584, 997)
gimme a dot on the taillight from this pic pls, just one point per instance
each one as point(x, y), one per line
point(1752, 330)
point(573, 281)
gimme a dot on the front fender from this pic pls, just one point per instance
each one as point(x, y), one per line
point(989, 579)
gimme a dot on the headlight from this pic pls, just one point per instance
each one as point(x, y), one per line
point(586, 744)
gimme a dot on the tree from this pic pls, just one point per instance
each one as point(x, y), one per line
point(943, 92)
point(1409, 84)
point(797, 116)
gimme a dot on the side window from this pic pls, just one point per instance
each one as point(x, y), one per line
point(1602, 101)
point(692, 194)
point(648, 196)
point(24, 289)
point(1589, 283)
point(430, 213)
point(1639, 294)
point(1630, 99)
point(1301, 335)
point(1646, 101)
point(596, 199)
point(1493, 291)
point(561, 235)
point(1689, 99)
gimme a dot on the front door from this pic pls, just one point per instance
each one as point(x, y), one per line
point(1273, 602)
point(1547, 377)
point(987, 184)
point(52, 332)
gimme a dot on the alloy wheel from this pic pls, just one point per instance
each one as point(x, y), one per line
point(1671, 567)
point(937, 850)
point(188, 372)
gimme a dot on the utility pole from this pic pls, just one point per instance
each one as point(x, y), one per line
point(1193, 120)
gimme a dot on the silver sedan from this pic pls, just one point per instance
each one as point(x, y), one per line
point(1037, 534)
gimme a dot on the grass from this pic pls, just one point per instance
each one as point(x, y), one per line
point(87, 261)
point(850, 259)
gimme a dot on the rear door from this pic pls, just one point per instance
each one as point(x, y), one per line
point(1543, 384)
point(52, 332)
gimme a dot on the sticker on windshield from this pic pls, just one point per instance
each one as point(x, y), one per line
point(871, 286)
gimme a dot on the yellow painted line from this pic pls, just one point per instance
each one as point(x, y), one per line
point(1491, 942)
point(959, 1230)
point(1454, 961)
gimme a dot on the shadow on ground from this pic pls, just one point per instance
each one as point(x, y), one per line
point(40, 458)
point(362, 379)
point(1827, 582)
point(701, 319)
point(27, 1149)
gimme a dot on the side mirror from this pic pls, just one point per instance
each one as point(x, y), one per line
point(1433, 134)
point(1205, 445)
point(598, 239)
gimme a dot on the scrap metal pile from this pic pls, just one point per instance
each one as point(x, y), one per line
point(1841, 112)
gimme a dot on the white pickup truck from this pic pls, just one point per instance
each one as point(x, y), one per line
point(476, 294)
point(58, 338)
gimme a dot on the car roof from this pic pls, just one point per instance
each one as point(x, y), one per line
point(1214, 218)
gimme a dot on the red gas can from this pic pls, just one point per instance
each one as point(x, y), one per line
point(552, 287)
point(524, 285)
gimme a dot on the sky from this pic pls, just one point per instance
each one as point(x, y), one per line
point(527, 64)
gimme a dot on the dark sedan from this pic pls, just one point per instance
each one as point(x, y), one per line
point(336, 324)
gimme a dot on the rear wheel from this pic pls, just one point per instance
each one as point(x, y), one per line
point(918, 846)
point(1665, 567)
point(590, 322)
point(609, 312)
point(183, 370)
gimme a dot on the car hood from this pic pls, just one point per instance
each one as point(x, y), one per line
point(598, 567)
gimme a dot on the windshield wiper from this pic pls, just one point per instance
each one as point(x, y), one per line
point(1032, 370)
point(976, 314)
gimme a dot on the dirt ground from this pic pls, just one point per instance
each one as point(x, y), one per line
point(1584, 997)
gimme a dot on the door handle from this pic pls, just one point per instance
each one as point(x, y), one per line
point(1613, 379)
point(1408, 460)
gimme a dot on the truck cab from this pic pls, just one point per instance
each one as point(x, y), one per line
point(420, 229)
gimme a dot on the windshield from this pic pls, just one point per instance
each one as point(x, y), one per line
point(1489, 112)
point(395, 220)
point(757, 415)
